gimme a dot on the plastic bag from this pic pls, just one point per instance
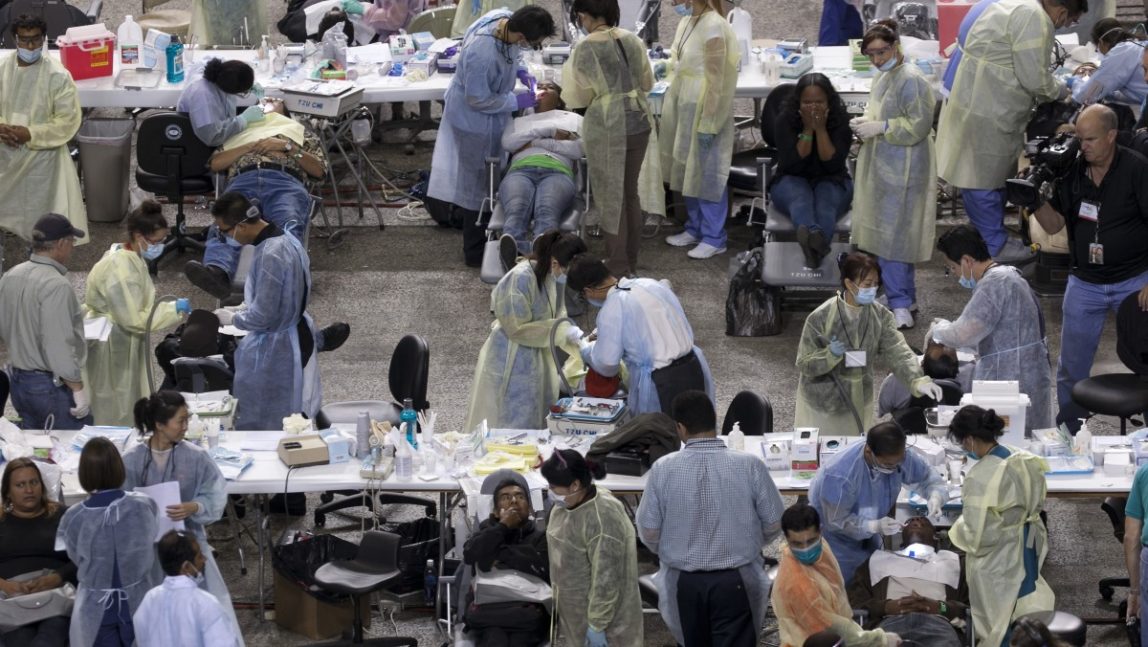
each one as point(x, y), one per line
point(297, 561)
point(752, 309)
point(418, 543)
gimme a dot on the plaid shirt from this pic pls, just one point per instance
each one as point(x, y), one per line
point(709, 508)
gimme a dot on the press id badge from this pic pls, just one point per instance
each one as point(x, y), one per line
point(855, 358)
point(1089, 211)
point(1095, 254)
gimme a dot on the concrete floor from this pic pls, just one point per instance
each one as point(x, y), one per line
point(410, 278)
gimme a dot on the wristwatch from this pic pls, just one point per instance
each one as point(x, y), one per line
point(288, 146)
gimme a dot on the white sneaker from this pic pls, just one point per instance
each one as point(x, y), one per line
point(705, 250)
point(684, 239)
point(903, 317)
point(884, 300)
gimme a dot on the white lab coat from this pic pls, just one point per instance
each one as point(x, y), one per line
point(178, 612)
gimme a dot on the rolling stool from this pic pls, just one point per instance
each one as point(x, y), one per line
point(1064, 626)
point(375, 567)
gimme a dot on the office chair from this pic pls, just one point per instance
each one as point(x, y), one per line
point(407, 377)
point(752, 412)
point(374, 568)
point(437, 21)
point(172, 162)
point(175, 22)
point(58, 14)
point(202, 374)
point(1121, 394)
point(1061, 625)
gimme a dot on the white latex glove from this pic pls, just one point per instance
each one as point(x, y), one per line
point(83, 404)
point(889, 526)
point(855, 121)
point(574, 334)
point(869, 129)
point(892, 640)
point(932, 390)
point(936, 500)
point(225, 316)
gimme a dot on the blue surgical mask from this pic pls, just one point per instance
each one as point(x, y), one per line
point(560, 279)
point(153, 251)
point(683, 10)
point(808, 555)
point(597, 303)
point(865, 296)
point(972, 455)
point(884, 470)
point(559, 500)
point(29, 55)
point(889, 64)
point(967, 282)
point(231, 242)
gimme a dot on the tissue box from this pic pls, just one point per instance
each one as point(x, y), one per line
point(402, 47)
point(340, 445)
point(1117, 461)
point(1048, 442)
point(776, 454)
point(422, 40)
point(804, 457)
point(448, 64)
point(830, 449)
point(423, 61)
point(87, 52)
point(930, 450)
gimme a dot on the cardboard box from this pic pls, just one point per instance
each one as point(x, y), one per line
point(297, 611)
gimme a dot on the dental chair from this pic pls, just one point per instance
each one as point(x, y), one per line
point(492, 271)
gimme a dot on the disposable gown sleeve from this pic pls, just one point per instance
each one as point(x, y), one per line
point(478, 89)
point(813, 355)
point(130, 297)
point(261, 313)
point(578, 86)
point(898, 355)
point(607, 550)
point(1031, 43)
point(921, 478)
point(207, 122)
point(211, 495)
point(712, 118)
point(838, 500)
point(916, 103)
point(605, 354)
point(512, 303)
point(976, 322)
point(979, 529)
point(1113, 75)
point(56, 129)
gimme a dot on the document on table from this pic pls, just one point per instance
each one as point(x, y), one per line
point(164, 494)
point(97, 329)
point(370, 54)
point(260, 441)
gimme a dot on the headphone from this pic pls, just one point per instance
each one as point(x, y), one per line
point(253, 211)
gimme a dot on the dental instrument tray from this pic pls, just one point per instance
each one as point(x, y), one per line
point(582, 416)
point(795, 65)
point(138, 79)
point(1069, 465)
point(322, 98)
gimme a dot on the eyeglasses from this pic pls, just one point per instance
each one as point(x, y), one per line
point(31, 41)
point(511, 498)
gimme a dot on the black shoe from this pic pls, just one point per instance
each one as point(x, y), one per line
point(806, 249)
point(334, 336)
point(507, 251)
point(819, 246)
point(212, 280)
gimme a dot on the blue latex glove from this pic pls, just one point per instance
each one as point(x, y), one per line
point(475, 7)
point(705, 140)
point(353, 7)
point(526, 100)
point(183, 306)
point(595, 638)
point(252, 114)
point(837, 347)
point(257, 91)
point(528, 80)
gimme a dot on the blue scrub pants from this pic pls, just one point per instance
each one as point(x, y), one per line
point(706, 220)
point(35, 396)
point(816, 206)
point(1086, 306)
point(283, 201)
point(1143, 594)
point(985, 209)
point(543, 193)
point(900, 281)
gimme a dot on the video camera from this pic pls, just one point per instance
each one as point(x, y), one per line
point(1049, 158)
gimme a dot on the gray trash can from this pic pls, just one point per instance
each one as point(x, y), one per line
point(105, 161)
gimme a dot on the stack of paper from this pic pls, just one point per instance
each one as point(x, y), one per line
point(230, 462)
point(98, 329)
point(118, 435)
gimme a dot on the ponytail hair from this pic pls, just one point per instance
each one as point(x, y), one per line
point(566, 466)
point(558, 246)
point(974, 422)
point(156, 409)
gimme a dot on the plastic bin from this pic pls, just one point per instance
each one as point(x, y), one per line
point(105, 160)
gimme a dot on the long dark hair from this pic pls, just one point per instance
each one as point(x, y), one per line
point(157, 408)
point(558, 246)
point(46, 502)
point(838, 115)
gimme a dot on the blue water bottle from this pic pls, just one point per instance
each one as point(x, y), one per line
point(174, 54)
point(430, 584)
point(411, 418)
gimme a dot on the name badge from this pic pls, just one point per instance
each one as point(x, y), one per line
point(1089, 211)
point(855, 358)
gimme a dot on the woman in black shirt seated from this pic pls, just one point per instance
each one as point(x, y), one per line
point(28, 523)
point(812, 184)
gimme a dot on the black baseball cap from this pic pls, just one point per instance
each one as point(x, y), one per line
point(52, 226)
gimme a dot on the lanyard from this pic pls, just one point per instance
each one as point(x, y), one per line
point(845, 326)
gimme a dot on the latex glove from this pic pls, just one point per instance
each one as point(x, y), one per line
point(931, 390)
point(936, 501)
point(1065, 91)
point(83, 404)
point(475, 7)
point(868, 129)
point(528, 80)
point(659, 71)
point(225, 316)
point(595, 638)
point(252, 114)
point(705, 140)
point(258, 92)
point(885, 526)
point(353, 7)
point(183, 306)
point(526, 100)
point(892, 640)
point(574, 335)
point(837, 347)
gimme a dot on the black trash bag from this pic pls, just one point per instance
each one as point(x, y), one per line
point(752, 309)
point(298, 560)
point(418, 543)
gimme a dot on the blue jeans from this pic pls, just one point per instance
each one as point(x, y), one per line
point(922, 629)
point(283, 201)
point(900, 281)
point(706, 220)
point(35, 396)
point(542, 192)
point(985, 208)
point(1086, 306)
point(817, 206)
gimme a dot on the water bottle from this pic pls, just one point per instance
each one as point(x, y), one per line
point(129, 38)
point(363, 434)
point(404, 463)
point(174, 60)
point(212, 435)
point(410, 418)
point(335, 46)
point(430, 583)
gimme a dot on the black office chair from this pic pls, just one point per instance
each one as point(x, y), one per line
point(407, 376)
point(1061, 625)
point(1121, 394)
point(171, 161)
point(745, 169)
point(752, 412)
point(375, 567)
point(201, 374)
point(58, 14)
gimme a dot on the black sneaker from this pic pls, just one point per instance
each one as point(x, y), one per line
point(806, 249)
point(507, 251)
point(212, 280)
point(819, 246)
point(334, 336)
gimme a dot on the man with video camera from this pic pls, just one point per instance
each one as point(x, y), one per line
point(1102, 198)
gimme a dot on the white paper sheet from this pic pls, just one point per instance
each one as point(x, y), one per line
point(233, 331)
point(97, 329)
point(164, 494)
point(260, 441)
point(373, 53)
